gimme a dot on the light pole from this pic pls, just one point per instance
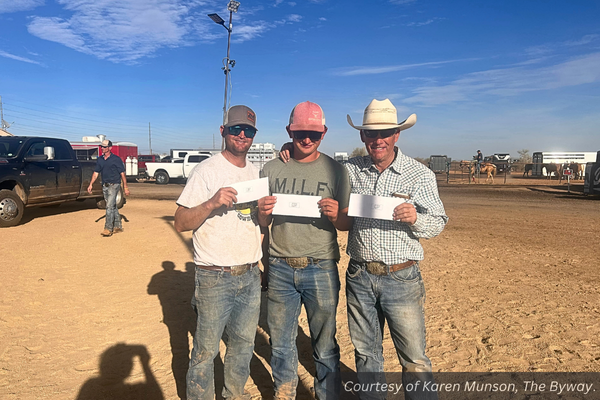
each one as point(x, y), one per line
point(232, 7)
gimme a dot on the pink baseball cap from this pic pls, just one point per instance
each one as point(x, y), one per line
point(307, 116)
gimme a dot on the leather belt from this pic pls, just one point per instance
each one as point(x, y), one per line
point(107, 184)
point(380, 268)
point(300, 262)
point(234, 270)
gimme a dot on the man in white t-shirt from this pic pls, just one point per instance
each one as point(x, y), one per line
point(227, 248)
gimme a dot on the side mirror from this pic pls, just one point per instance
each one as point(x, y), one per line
point(49, 152)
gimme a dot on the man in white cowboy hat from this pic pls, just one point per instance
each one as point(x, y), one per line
point(383, 280)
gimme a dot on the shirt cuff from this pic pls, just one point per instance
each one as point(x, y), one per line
point(419, 224)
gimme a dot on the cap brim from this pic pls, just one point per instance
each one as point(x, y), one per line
point(407, 123)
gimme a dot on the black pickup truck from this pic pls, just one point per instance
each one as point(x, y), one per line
point(38, 171)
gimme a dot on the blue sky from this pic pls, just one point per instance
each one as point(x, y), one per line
point(497, 76)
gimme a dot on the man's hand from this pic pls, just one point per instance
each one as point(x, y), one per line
point(405, 212)
point(266, 205)
point(126, 191)
point(224, 197)
point(286, 152)
point(329, 208)
point(89, 190)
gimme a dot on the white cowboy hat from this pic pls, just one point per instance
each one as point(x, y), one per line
point(382, 115)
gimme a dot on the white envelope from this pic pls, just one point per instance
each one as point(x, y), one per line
point(251, 190)
point(367, 206)
point(297, 205)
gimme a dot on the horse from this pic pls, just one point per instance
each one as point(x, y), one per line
point(488, 168)
point(576, 170)
point(528, 169)
point(553, 168)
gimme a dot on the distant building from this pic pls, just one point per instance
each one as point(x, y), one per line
point(261, 153)
point(340, 156)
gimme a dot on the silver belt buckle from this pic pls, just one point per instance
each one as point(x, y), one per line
point(297, 262)
point(237, 270)
point(377, 268)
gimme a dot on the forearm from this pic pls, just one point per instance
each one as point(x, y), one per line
point(187, 219)
point(94, 177)
point(124, 179)
point(428, 226)
point(264, 220)
point(343, 222)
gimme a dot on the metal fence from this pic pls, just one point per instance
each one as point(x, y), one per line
point(459, 172)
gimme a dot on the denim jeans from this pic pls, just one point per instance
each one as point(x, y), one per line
point(317, 287)
point(397, 298)
point(113, 219)
point(227, 306)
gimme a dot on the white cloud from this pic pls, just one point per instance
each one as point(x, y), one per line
point(128, 30)
point(429, 21)
point(18, 58)
point(512, 81)
point(8, 6)
point(392, 68)
point(120, 31)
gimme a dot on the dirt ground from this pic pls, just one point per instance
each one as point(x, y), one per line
point(512, 285)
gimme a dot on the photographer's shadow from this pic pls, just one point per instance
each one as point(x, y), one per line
point(116, 364)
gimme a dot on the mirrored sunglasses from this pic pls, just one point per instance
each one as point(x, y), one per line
point(249, 131)
point(384, 133)
point(312, 135)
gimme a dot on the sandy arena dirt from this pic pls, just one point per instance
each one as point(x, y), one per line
point(512, 285)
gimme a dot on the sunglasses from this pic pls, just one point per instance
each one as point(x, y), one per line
point(249, 131)
point(104, 147)
point(312, 135)
point(384, 133)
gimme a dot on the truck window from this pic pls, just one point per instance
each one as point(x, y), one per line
point(197, 159)
point(9, 148)
point(61, 151)
point(36, 149)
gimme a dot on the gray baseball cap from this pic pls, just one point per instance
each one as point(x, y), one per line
point(240, 115)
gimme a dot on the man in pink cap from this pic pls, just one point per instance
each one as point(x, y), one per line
point(303, 255)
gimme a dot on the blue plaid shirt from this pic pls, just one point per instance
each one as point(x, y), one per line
point(394, 242)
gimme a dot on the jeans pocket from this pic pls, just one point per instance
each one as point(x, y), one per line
point(407, 275)
point(353, 270)
point(207, 279)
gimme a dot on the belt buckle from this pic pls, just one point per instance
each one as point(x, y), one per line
point(237, 270)
point(297, 262)
point(377, 268)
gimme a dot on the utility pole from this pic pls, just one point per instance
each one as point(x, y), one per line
point(232, 7)
point(149, 137)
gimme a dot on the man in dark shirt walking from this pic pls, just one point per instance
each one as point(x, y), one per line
point(113, 172)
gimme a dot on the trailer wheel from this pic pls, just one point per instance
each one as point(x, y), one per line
point(162, 178)
point(101, 203)
point(11, 208)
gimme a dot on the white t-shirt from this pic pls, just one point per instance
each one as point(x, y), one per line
point(229, 236)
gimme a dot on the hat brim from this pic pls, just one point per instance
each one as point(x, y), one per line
point(407, 123)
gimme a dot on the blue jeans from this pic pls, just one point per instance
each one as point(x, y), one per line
point(227, 306)
point(397, 298)
point(113, 219)
point(317, 287)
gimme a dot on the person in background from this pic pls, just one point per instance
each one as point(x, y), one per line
point(113, 173)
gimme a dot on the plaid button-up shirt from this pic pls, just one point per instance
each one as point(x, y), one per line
point(394, 242)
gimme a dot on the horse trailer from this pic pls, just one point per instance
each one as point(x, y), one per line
point(541, 158)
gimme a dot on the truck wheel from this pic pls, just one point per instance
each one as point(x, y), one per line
point(162, 178)
point(11, 208)
point(101, 203)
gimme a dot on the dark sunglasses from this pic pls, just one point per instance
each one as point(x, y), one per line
point(249, 131)
point(312, 135)
point(104, 147)
point(384, 133)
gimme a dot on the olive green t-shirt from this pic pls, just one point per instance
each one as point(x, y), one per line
point(305, 236)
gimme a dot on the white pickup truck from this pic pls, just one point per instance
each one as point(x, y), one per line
point(176, 169)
